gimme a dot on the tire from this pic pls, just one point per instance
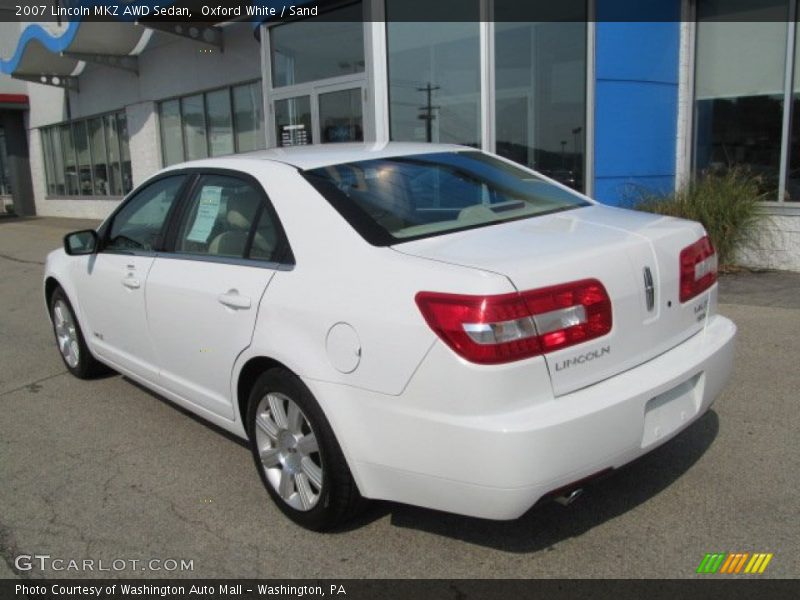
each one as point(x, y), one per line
point(297, 455)
point(69, 339)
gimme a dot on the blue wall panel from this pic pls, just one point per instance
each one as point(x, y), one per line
point(636, 109)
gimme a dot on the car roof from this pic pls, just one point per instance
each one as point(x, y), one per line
point(323, 155)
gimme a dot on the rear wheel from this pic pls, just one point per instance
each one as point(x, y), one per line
point(69, 339)
point(296, 454)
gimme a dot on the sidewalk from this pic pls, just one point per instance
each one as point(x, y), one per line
point(769, 288)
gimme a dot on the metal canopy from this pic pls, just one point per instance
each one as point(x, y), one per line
point(197, 32)
point(39, 65)
point(57, 55)
point(109, 44)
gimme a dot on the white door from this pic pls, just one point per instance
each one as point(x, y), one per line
point(203, 298)
point(111, 290)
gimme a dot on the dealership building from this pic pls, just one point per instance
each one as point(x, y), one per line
point(612, 105)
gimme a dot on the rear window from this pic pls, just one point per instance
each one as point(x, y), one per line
point(392, 200)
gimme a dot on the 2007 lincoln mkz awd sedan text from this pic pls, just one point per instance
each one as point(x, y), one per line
point(421, 323)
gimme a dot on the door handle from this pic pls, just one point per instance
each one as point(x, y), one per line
point(131, 282)
point(233, 299)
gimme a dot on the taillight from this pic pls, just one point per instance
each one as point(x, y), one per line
point(698, 268)
point(509, 327)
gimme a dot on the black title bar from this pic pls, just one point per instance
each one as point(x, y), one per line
point(256, 11)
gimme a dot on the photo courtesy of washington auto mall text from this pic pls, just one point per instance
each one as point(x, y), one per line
point(177, 590)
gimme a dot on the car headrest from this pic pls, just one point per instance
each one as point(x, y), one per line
point(241, 210)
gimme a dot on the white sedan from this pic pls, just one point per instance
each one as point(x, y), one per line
point(427, 324)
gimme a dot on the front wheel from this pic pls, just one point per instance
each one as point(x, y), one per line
point(296, 454)
point(69, 338)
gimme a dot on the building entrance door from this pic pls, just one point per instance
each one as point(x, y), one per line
point(16, 189)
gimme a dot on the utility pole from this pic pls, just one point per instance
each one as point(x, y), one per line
point(577, 133)
point(427, 110)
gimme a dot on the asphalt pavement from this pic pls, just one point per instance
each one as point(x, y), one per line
point(105, 470)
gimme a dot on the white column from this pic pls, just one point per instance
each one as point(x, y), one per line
point(683, 147)
point(487, 79)
point(36, 161)
point(266, 79)
point(377, 100)
point(591, 101)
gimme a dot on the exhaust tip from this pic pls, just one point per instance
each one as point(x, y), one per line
point(569, 497)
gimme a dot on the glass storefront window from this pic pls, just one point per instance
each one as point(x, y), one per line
point(214, 123)
point(194, 127)
point(340, 116)
point(434, 76)
point(84, 158)
point(47, 152)
point(293, 121)
point(330, 45)
point(124, 153)
point(171, 137)
point(70, 164)
point(220, 123)
point(248, 117)
point(97, 144)
point(739, 86)
point(540, 97)
point(88, 157)
point(793, 176)
point(112, 144)
point(58, 160)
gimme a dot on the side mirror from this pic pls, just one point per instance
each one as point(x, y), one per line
point(79, 243)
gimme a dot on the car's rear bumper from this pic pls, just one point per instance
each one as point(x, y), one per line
point(449, 454)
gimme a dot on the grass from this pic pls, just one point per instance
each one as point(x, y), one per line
point(727, 203)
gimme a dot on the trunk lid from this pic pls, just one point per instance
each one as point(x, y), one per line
point(636, 257)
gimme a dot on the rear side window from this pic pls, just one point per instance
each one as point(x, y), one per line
point(391, 200)
point(140, 223)
point(227, 217)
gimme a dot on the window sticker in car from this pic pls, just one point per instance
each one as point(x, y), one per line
point(207, 211)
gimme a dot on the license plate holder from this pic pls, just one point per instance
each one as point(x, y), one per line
point(670, 411)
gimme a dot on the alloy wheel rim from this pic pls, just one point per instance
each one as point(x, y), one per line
point(66, 333)
point(289, 451)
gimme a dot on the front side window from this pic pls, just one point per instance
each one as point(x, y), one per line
point(392, 200)
point(227, 217)
point(140, 222)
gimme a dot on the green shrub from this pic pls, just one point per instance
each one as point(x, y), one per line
point(726, 202)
